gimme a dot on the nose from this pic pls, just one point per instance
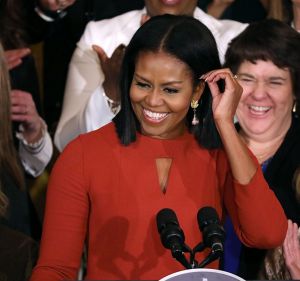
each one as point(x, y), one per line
point(259, 90)
point(154, 98)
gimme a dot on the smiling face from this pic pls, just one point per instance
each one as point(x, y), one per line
point(173, 7)
point(161, 92)
point(264, 111)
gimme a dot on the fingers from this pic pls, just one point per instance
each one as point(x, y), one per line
point(291, 244)
point(23, 107)
point(101, 54)
point(225, 74)
point(118, 53)
point(216, 75)
point(111, 69)
point(225, 97)
point(14, 57)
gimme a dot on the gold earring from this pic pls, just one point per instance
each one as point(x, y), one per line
point(294, 107)
point(194, 105)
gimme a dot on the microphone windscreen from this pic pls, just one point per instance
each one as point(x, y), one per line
point(206, 216)
point(164, 217)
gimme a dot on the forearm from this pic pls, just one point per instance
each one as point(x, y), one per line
point(84, 76)
point(253, 209)
point(242, 165)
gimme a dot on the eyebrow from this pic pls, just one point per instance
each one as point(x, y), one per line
point(269, 78)
point(164, 84)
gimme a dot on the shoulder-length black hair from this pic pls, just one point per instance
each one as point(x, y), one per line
point(191, 42)
point(267, 40)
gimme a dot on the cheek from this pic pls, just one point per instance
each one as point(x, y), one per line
point(283, 98)
point(179, 105)
point(246, 92)
point(134, 95)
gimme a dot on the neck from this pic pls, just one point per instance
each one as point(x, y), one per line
point(263, 149)
point(217, 8)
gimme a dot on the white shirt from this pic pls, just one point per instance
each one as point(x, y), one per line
point(35, 157)
point(85, 106)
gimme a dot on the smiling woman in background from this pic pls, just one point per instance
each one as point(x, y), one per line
point(266, 59)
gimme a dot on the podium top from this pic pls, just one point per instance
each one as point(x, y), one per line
point(202, 274)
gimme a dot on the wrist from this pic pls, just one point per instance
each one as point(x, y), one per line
point(32, 140)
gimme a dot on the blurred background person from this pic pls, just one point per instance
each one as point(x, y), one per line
point(18, 30)
point(240, 10)
point(283, 263)
point(67, 20)
point(266, 59)
point(296, 14)
point(254, 10)
point(245, 10)
point(18, 252)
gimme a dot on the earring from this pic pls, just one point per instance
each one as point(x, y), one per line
point(294, 107)
point(194, 105)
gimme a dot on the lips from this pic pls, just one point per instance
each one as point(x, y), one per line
point(155, 117)
point(259, 110)
point(170, 2)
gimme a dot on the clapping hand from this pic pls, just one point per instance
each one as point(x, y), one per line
point(23, 110)
point(291, 250)
point(111, 69)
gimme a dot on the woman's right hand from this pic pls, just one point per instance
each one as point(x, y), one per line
point(224, 103)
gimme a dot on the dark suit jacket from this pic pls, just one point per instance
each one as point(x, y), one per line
point(279, 175)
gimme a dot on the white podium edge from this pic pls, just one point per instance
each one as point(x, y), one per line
point(186, 271)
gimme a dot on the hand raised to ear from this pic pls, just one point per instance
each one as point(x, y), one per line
point(224, 103)
point(111, 68)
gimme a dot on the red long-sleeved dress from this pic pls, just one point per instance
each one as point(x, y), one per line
point(107, 195)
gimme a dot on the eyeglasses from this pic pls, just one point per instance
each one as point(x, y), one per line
point(249, 80)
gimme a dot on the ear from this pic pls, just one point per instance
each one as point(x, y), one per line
point(198, 91)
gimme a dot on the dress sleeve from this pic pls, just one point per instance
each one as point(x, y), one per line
point(256, 213)
point(66, 218)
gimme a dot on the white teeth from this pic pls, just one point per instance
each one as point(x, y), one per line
point(155, 115)
point(259, 108)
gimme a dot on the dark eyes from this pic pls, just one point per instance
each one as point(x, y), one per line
point(142, 85)
point(168, 90)
point(268, 83)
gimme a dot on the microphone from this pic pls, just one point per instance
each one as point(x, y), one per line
point(213, 232)
point(171, 235)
